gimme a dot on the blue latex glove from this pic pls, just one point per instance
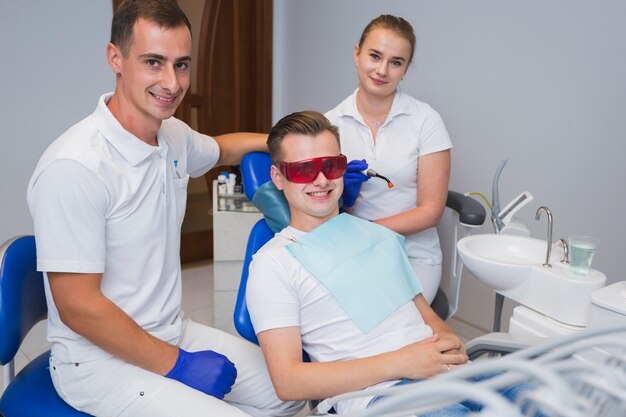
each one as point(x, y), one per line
point(352, 181)
point(206, 371)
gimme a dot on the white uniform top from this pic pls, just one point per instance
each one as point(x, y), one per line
point(103, 201)
point(282, 293)
point(411, 130)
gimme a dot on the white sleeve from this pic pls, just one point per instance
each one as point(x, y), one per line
point(272, 301)
point(433, 134)
point(68, 205)
point(203, 152)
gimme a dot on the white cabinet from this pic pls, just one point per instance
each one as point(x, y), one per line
point(231, 227)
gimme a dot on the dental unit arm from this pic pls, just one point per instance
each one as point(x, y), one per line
point(512, 225)
point(495, 199)
point(504, 220)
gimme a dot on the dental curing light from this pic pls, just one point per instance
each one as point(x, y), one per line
point(371, 173)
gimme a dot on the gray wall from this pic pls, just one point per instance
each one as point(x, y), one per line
point(53, 71)
point(542, 83)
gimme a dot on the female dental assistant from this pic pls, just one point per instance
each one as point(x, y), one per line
point(399, 137)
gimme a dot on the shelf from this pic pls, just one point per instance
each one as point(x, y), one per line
point(235, 203)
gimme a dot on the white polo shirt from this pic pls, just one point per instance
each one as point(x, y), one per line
point(103, 201)
point(412, 129)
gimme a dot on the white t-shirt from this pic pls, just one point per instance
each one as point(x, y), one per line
point(103, 201)
point(411, 130)
point(282, 293)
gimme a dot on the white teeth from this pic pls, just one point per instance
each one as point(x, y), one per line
point(163, 98)
point(319, 194)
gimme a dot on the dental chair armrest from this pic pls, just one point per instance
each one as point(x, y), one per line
point(501, 343)
point(471, 212)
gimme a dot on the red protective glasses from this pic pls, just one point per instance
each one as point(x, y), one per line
point(301, 172)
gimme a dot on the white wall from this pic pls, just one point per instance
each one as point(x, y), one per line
point(541, 83)
point(53, 71)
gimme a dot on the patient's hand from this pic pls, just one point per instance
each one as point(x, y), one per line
point(460, 346)
point(446, 337)
point(428, 357)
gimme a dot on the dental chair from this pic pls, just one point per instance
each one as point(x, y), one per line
point(22, 305)
point(255, 172)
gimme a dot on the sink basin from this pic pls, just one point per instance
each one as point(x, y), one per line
point(497, 260)
point(513, 267)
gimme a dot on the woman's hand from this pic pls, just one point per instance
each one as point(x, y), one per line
point(353, 179)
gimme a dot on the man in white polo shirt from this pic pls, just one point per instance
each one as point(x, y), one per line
point(107, 199)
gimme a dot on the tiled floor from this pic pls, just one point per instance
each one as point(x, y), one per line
point(198, 292)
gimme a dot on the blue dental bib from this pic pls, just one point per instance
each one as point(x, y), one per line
point(362, 264)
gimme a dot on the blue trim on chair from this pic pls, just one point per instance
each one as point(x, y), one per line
point(255, 171)
point(31, 393)
point(22, 305)
point(22, 297)
point(259, 235)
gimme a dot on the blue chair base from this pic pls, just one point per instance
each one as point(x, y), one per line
point(31, 394)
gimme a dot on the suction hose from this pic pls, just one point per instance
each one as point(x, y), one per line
point(495, 197)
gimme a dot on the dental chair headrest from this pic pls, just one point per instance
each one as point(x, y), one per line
point(257, 184)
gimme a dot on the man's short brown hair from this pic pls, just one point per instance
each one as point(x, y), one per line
point(165, 13)
point(308, 122)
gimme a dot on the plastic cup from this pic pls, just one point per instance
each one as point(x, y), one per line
point(581, 251)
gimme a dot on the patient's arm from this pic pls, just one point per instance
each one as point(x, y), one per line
point(294, 379)
point(439, 326)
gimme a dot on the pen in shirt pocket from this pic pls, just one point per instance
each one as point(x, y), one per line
point(176, 169)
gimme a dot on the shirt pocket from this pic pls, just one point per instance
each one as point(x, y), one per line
point(180, 191)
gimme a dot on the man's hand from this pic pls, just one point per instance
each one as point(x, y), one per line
point(454, 339)
point(428, 357)
point(353, 179)
point(206, 371)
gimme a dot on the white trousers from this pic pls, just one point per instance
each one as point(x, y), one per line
point(429, 276)
point(114, 388)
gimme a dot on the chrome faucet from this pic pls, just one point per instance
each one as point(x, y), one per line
point(565, 259)
point(537, 217)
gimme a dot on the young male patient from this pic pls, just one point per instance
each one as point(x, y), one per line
point(336, 286)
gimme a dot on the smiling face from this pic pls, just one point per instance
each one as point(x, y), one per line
point(152, 78)
point(382, 61)
point(313, 203)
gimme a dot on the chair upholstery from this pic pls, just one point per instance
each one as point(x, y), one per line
point(259, 235)
point(22, 305)
point(255, 171)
